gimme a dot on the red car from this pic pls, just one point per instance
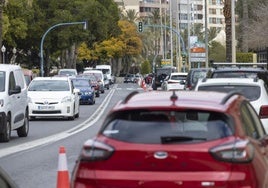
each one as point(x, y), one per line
point(180, 139)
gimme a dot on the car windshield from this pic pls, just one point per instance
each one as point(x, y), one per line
point(250, 92)
point(67, 72)
point(49, 85)
point(167, 127)
point(2, 81)
point(199, 74)
point(177, 77)
point(81, 83)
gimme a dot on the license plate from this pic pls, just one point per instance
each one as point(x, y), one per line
point(46, 107)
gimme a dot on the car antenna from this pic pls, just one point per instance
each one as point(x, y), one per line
point(173, 97)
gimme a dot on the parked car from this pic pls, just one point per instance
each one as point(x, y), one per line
point(129, 78)
point(176, 139)
point(53, 97)
point(252, 88)
point(13, 102)
point(194, 74)
point(174, 81)
point(67, 72)
point(86, 90)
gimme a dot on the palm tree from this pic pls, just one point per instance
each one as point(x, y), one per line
point(228, 29)
point(131, 15)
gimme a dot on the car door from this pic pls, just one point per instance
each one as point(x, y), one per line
point(15, 99)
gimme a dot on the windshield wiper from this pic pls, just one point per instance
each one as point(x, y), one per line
point(170, 139)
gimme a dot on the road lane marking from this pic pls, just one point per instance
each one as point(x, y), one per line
point(59, 136)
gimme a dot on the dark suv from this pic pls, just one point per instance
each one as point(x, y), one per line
point(193, 76)
point(160, 75)
point(176, 139)
point(239, 70)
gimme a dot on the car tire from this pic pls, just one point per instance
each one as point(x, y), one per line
point(24, 129)
point(5, 136)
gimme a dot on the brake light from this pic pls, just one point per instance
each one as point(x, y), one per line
point(95, 151)
point(263, 112)
point(240, 151)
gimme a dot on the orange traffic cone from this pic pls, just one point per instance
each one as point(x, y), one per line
point(63, 174)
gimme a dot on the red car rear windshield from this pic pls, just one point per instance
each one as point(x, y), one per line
point(167, 127)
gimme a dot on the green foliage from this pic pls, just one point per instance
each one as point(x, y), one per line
point(217, 52)
point(145, 67)
point(244, 57)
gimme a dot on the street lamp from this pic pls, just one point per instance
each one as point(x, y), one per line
point(3, 49)
point(43, 38)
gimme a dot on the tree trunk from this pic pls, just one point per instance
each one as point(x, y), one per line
point(228, 29)
point(245, 26)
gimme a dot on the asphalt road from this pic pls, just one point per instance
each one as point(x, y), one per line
point(33, 161)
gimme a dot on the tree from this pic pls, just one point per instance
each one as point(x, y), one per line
point(216, 52)
point(228, 29)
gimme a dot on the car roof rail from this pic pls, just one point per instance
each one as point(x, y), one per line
point(129, 96)
point(237, 64)
point(229, 95)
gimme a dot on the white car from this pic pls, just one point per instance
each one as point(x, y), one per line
point(13, 102)
point(175, 81)
point(67, 72)
point(53, 97)
point(252, 88)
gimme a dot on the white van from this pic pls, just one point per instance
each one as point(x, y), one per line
point(13, 102)
point(106, 69)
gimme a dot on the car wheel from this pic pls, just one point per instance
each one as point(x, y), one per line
point(77, 115)
point(24, 129)
point(5, 136)
point(97, 94)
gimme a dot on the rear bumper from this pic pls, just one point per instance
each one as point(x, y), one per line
point(161, 179)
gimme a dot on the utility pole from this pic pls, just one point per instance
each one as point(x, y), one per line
point(43, 38)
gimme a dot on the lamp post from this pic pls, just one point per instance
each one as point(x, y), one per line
point(13, 59)
point(3, 49)
point(43, 38)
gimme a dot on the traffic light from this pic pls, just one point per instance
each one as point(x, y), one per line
point(140, 27)
point(183, 58)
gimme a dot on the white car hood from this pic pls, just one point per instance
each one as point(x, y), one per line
point(47, 95)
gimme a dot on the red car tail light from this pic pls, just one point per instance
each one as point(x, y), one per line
point(263, 111)
point(95, 151)
point(240, 151)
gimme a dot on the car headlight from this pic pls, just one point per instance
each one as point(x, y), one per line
point(66, 99)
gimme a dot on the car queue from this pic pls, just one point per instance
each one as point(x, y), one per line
point(161, 128)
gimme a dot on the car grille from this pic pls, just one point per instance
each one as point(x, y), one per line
point(46, 103)
point(46, 112)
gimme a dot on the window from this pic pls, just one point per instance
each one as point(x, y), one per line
point(12, 82)
point(151, 127)
point(251, 123)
